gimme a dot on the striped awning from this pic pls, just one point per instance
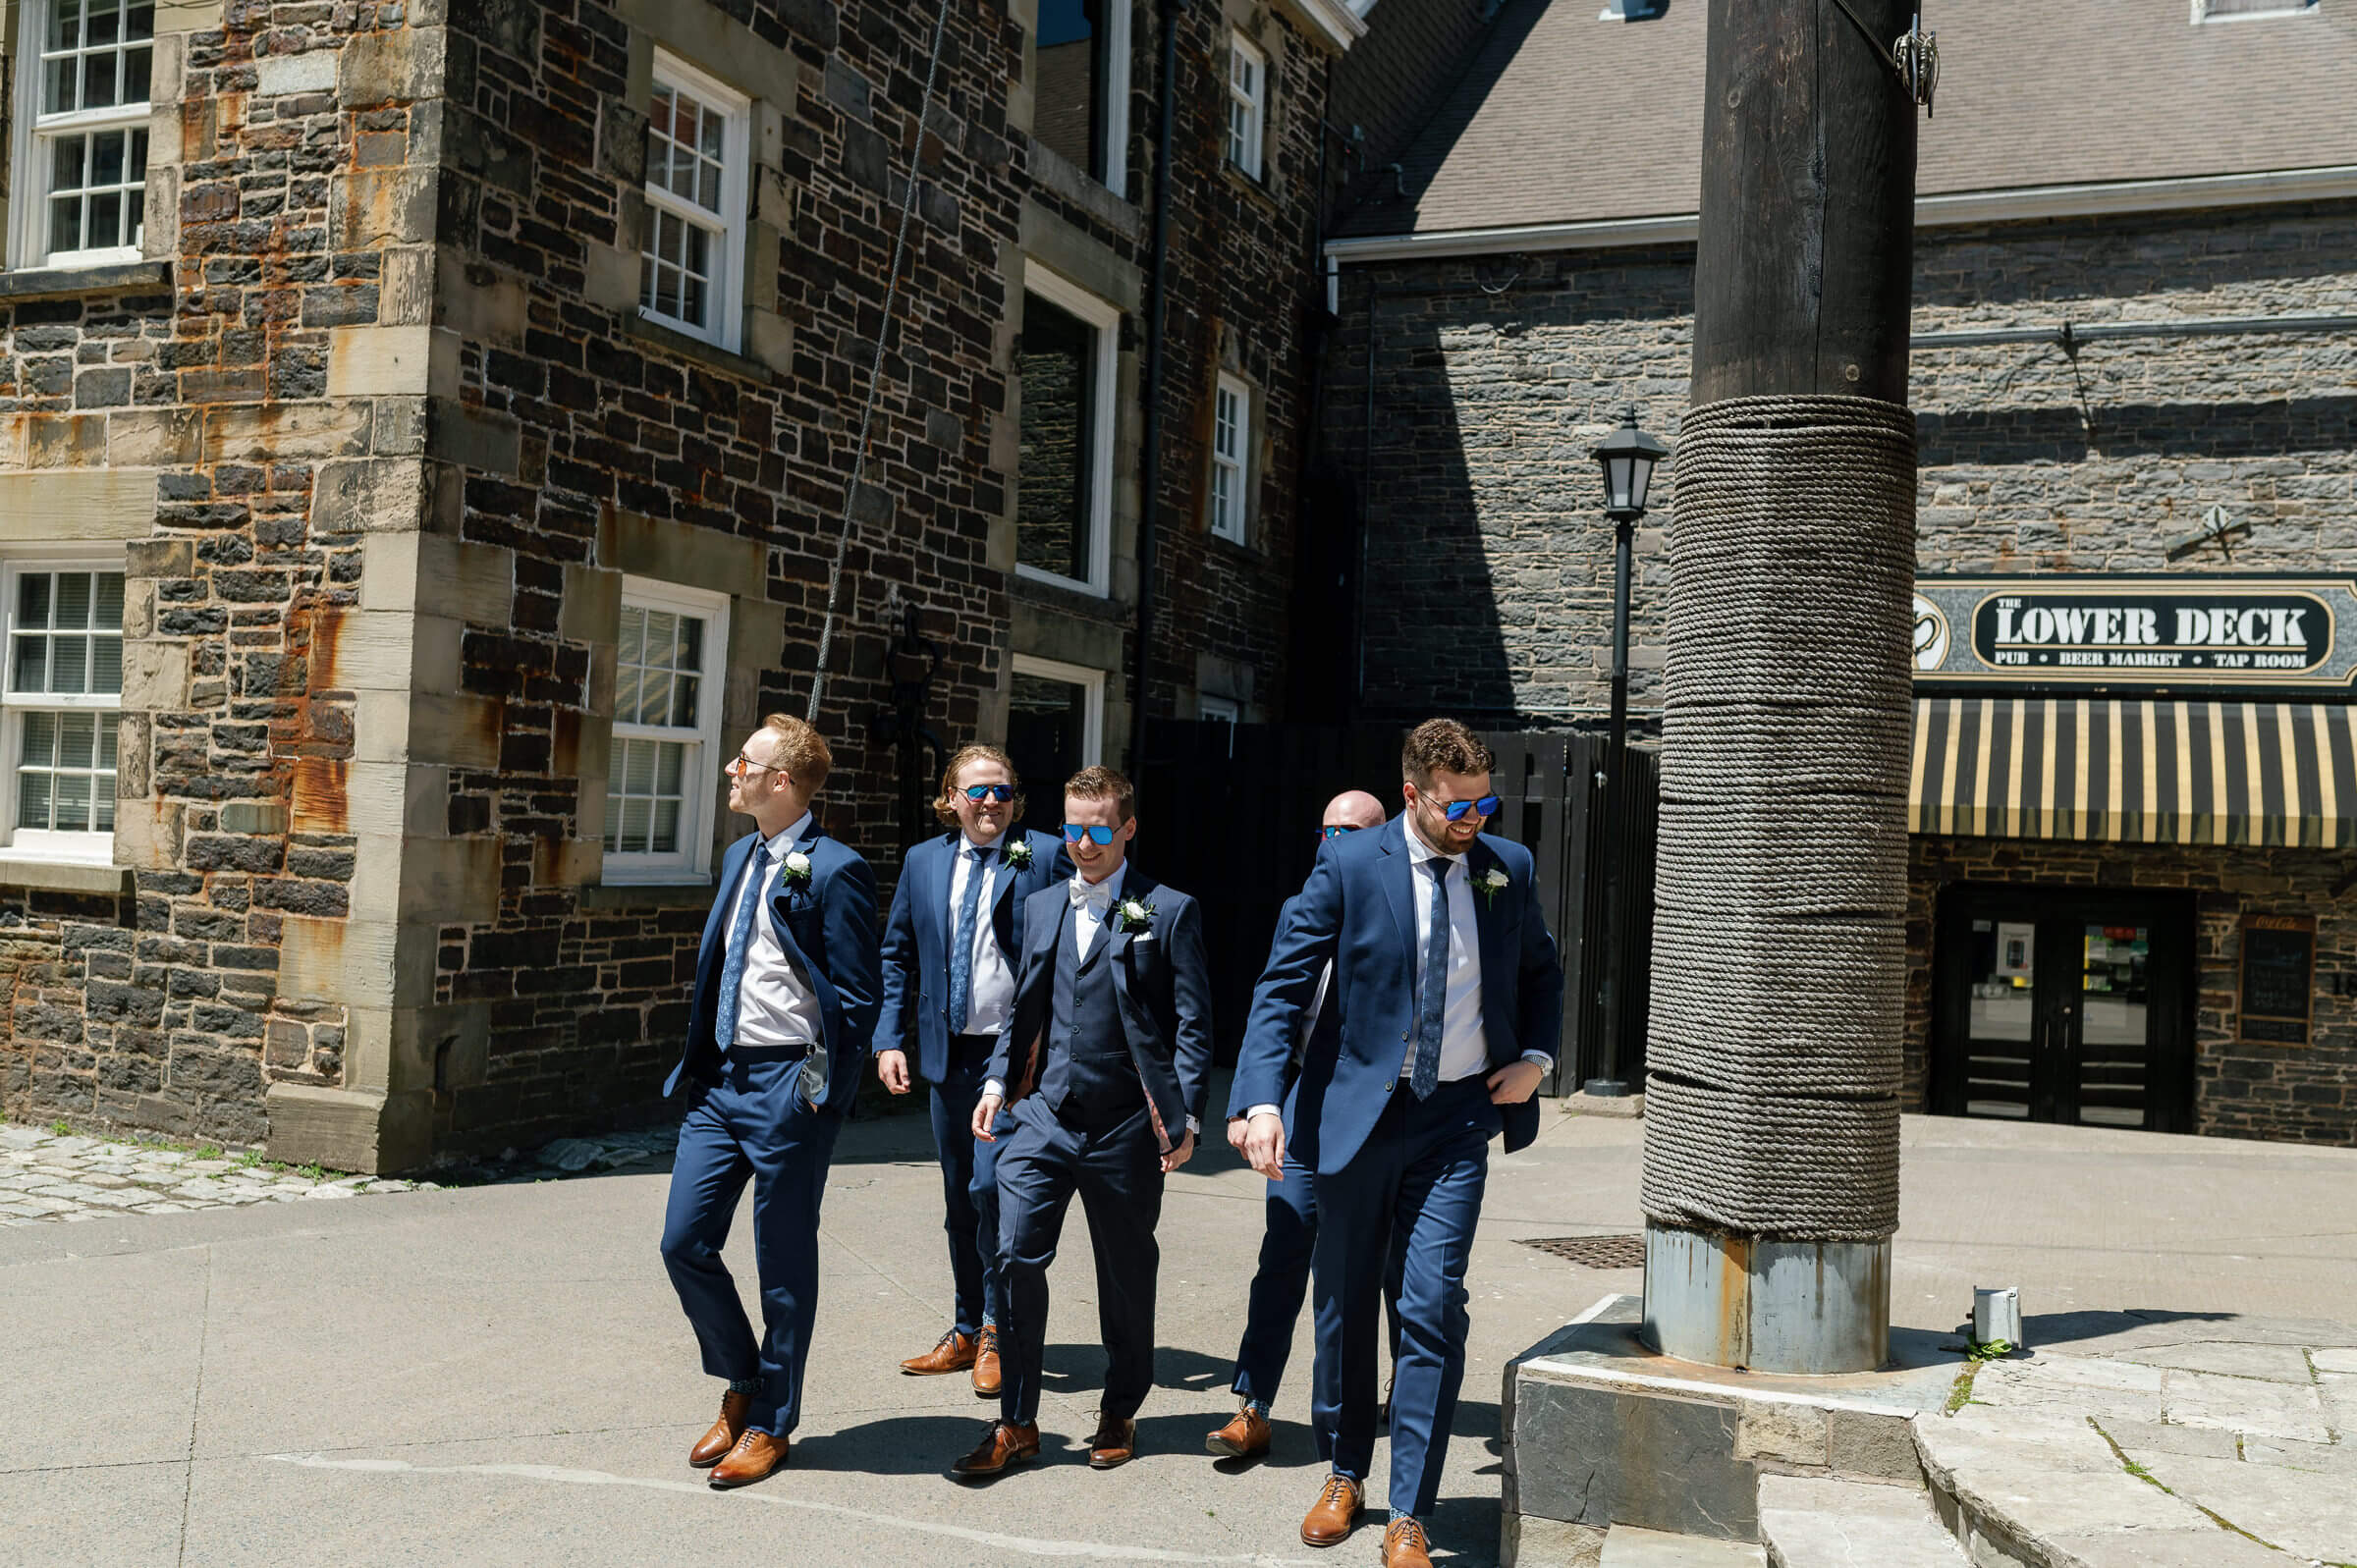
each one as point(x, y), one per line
point(2135, 772)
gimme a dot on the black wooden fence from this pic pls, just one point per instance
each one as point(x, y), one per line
point(1229, 813)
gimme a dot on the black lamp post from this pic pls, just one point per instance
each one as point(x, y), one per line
point(1627, 457)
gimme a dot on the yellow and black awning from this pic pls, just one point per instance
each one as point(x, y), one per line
point(2128, 770)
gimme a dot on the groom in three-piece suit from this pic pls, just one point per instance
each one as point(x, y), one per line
point(778, 1027)
point(951, 951)
point(1450, 1000)
point(1102, 1077)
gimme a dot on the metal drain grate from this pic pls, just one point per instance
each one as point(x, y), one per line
point(1594, 1252)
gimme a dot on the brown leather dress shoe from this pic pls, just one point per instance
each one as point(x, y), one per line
point(1405, 1546)
point(1006, 1444)
point(713, 1445)
point(1115, 1442)
point(1333, 1515)
point(954, 1353)
point(1244, 1438)
point(987, 1372)
point(755, 1455)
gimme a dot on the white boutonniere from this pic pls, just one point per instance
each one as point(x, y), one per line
point(1019, 855)
point(1490, 884)
point(1134, 914)
point(798, 866)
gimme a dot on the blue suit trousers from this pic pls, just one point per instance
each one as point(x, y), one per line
point(1281, 1283)
point(1421, 1172)
point(751, 1125)
point(969, 1185)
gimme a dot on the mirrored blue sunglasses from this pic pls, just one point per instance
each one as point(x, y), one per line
point(1000, 792)
point(1486, 806)
point(1337, 831)
point(1075, 831)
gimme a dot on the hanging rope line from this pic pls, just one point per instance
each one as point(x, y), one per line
point(875, 371)
point(1779, 932)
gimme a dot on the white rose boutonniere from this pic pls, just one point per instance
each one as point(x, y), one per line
point(1019, 855)
point(798, 866)
point(1490, 884)
point(1134, 914)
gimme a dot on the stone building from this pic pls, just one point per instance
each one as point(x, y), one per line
point(427, 427)
point(2135, 377)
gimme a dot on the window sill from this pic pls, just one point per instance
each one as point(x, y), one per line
point(681, 344)
point(63, 876)
point(1244, 183)
point(650, 895)
point(61, 283)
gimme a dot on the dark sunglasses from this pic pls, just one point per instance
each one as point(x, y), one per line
point(1335, 832)
point(1074, 832)
point(1486, 806)
point(1000, 792)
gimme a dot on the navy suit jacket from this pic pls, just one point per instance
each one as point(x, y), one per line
point(916, 939)
point(1358, 911)
point(828, 929)
point(1161, 980)
point(1324, 1032)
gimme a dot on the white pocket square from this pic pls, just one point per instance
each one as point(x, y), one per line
point(1142, 938)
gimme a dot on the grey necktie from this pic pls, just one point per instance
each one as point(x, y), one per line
point(1433, 1001)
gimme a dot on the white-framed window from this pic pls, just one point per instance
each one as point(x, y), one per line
point(1247, 104)
point(1081, 87)
point(2246, 10)
point(81, 132)
point(1055, 727)
point(663, 774)
point(698, 148)
point(62, 698)
point(1230, 458)
point(1067, 365)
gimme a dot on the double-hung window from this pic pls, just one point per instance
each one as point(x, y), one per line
point(63, 698)
point(691, 266)
point(663, 770)
point(82, 170)
point(1247, 104)
point(1230, 458)
point(1067, 365)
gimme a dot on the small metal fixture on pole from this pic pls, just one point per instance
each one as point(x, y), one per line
point(1627, 457)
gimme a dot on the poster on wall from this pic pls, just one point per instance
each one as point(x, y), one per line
point(2278, 966)
point(2017, 948)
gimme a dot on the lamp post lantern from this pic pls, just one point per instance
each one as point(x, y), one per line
point(1627, 457)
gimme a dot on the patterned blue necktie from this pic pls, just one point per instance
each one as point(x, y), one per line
point(1433, 1003)
point(740, 940)
point(962, 940)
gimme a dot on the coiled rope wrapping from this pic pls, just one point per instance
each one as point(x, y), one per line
point(1778, 942)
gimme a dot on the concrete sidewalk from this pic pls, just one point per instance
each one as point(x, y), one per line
point(500, 1375)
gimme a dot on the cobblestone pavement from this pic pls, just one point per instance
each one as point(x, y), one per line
point(47, 1176)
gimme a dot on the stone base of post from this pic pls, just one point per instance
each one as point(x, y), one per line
point(1802, 1306)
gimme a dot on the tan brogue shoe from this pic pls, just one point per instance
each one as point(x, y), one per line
point(1115, 1442)
point(1333, 1515)
point(954, 1353)
point(988, 1374)
point(1244, 1438)
point(755, 1455)
point(1405, 1546)
point(714, 1445)
point(1008, 1443)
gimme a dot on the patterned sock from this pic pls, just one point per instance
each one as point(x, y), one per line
point(1258, 1407)
point(1399, 1514)
point(745, 1386)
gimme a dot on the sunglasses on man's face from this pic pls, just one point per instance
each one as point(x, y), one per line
point(1335, 832)
point(999, 792)
point(1486, 806)
point(1097, 832)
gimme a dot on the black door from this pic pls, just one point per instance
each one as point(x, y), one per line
point(2063, 1006)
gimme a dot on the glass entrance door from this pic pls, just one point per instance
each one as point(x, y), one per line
point(2064, 1006)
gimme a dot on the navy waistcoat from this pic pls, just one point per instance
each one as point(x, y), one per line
point(1088, 1062)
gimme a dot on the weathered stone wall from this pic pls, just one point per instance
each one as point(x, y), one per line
point(2245, 1089)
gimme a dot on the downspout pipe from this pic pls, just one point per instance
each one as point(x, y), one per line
point(1157, 354)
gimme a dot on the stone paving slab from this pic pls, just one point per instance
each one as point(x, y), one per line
point(1627, 1547)
point(1813, 1522)
point(2294, 1511)
point(2287, 1363)
point(2246, 1405)
point(2210, 1548)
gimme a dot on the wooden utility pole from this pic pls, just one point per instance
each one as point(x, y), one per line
point(1771, 1186)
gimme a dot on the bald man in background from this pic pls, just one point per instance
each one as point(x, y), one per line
point(1282, 1278)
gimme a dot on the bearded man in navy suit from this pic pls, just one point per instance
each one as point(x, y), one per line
point(1450, 997)
point(1102, 1078)
point(778, 1029)
point(951, 950)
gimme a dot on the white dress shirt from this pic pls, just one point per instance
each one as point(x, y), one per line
point(775, 1005)
point(990, 1000)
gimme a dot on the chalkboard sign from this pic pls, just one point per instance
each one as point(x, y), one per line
point(2278, 961)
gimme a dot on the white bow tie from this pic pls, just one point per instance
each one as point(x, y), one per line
point(1096, 895)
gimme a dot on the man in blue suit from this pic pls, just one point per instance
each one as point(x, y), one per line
point(951, 948)
point(1102, 1077)
point(1282, 1281)
point(1450, 999)
point(779, 1026)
